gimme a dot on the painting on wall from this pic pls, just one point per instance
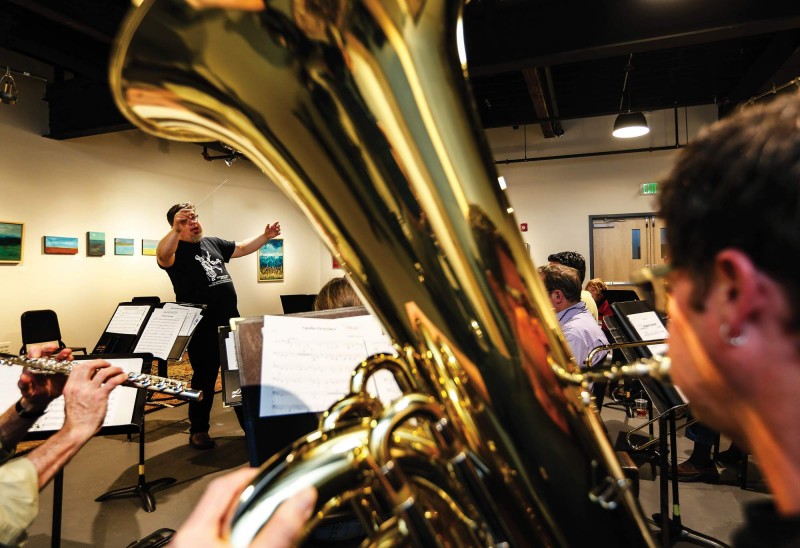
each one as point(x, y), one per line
point(123, 246)
point(60, 245)
point(270, 261)
point(11, 242)
point(335, 263)
point(95, 244)
point(149, 247)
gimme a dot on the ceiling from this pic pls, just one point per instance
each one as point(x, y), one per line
point(530, 61)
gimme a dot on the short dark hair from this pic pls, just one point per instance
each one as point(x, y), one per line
point(570, 258)
point(737, 185)
point(176, 208)
point(563, 278)
point(337, 293)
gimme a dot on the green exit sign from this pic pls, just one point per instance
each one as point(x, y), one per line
point(649, 188)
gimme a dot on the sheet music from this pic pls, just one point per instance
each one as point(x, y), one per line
point(193, 317)
point(161, 331)
point(120, 401)
point(230, 352)
point(649, 326)
point(307, 362)
point(127, 320)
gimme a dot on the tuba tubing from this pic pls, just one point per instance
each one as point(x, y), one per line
point(360, 111)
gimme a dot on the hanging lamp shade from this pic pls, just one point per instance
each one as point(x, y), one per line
point(630, 124)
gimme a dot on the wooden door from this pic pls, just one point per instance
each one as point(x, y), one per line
point(622, 245)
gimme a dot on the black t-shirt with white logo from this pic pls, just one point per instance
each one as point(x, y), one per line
point(199, 276)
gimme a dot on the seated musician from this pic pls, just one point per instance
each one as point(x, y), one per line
point(579, 326)
point(85, 403)
point(732, 208)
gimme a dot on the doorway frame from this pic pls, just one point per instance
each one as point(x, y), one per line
point(593, 218)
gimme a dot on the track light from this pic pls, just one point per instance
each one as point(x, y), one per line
point(629, 124)
point(8, 95)
point(230, 159)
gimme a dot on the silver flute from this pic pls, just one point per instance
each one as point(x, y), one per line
point(178, 389)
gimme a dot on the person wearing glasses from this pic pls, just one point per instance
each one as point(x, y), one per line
point(576, 261)
point(196, 266)
point(732, 208)
point(579, 326)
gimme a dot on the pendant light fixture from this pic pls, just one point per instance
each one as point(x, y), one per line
point(629, 124)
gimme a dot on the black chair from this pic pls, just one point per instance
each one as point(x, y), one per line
point(39, 326)
point(292, 304)
point(146, 300)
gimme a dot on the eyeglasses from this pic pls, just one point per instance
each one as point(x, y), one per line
point(653, 286)
point(193, 218)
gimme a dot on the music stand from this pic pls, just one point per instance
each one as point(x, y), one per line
point(143, 488)
point(667, 402)
point(128, 410)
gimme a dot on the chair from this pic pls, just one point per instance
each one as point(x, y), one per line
point(39, 326)
point(292, 304)
point(147, 300)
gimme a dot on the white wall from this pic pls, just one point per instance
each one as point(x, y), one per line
point(122, 184)
point(556, 197)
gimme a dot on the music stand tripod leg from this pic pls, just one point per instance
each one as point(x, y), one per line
point(58, 495)
point(143, 489)
point(672, 530)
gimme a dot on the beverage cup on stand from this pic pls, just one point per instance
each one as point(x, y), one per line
point(641, 407)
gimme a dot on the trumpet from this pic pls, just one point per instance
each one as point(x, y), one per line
point(51, 366)
point(360, 111)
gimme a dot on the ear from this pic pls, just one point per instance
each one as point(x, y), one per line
point(735, 291)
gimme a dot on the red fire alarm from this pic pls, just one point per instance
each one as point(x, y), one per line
point(523, 227)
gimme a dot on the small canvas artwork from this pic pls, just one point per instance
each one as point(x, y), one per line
point(270, 261)
point(11, 242)
point(123, 246)
point(149, 247)
point(95, 244)
point(60, 245)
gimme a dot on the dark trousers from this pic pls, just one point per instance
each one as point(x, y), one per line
point(204, 357)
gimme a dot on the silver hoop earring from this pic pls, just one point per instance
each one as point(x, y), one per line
point(724, 333)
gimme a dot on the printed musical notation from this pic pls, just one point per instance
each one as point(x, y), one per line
point(307, 363)
point(650, 327)
point(161, 331)
point(127, 320)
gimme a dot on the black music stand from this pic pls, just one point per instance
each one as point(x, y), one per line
point(127, 428)
point(667, 402)
point(143, 488)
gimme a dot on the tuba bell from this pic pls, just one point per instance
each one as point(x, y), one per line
point(360, 111)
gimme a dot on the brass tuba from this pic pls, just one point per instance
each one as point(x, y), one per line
point(361, 113)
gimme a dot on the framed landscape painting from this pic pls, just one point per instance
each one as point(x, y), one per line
point(60, 245)
point(11, 242)
point(95, 244)
point(123, 246)
point(149, 247)
point(270, 261)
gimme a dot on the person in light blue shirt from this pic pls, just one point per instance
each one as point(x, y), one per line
point(579, 326)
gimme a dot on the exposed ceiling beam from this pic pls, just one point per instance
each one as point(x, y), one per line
point(539, 100)
point(499, 37)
